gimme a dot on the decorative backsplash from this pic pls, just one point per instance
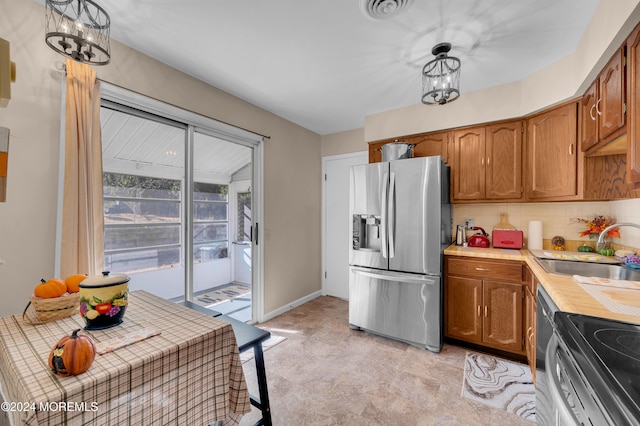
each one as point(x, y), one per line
point(556, 218)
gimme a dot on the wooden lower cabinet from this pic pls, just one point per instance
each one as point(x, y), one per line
point(485, 307)
point(530, 331)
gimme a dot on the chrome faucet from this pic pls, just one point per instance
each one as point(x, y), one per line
point(608, 228)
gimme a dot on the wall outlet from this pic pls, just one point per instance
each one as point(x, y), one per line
point(469, 223)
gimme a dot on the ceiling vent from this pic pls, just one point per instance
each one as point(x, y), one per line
point(383, 9)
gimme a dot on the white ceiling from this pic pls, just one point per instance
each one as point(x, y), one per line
point(325, 65)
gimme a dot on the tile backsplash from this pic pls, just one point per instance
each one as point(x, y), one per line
point(557, 218)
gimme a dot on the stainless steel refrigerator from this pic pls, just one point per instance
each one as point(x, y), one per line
point(400, 224)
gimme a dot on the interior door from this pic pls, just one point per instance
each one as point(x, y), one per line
point(336, 222)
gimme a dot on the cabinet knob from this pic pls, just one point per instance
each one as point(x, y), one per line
point(598, 109)
point(570, 149)
point(593, 117)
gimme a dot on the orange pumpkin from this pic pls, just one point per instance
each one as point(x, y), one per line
point(73, 282)
point(72, 355)
point(52, 288)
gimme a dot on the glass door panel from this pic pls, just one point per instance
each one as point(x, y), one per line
point(143, 176)
point(218, 166)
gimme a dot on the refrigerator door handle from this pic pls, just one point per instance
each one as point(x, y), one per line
point(392, 215)
point(383, 219)
point(405, 278)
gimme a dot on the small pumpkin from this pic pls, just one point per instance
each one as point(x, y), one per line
point(54, 287)
point(72, 355)
point(73, 282)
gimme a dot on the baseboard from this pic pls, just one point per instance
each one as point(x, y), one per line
point(291, 305)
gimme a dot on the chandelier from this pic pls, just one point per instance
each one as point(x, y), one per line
point(78, 29)
point(441, 77)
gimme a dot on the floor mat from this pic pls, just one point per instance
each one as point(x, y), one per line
point(215, 297)
point(499, 383)
point(267, 344)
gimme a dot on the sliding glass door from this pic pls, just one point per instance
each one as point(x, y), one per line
point(177, 205)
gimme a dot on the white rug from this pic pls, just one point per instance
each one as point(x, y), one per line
point(499, 383)
point(267, 344)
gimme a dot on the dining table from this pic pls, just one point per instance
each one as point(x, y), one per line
point(164, 364)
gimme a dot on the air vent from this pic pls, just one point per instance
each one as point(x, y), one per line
point(383, 9)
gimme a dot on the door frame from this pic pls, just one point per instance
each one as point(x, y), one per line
point(232, 134)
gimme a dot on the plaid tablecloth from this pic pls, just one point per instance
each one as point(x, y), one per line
point(190, 374)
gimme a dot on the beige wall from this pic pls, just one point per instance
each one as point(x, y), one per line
point(343, 142)
point(292, 162)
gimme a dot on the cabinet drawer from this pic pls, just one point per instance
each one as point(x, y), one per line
point(484, 269)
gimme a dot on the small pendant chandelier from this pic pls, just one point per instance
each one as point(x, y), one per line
point(441, 77)
point(78, 29)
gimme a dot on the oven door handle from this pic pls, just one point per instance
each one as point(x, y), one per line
point(564, 414)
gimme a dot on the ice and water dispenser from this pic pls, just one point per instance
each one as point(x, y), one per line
point(366, 232)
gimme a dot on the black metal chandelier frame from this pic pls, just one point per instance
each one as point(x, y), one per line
point(78, 29)
point(441, 77)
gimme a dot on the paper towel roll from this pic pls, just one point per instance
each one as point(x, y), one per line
point(535, 235)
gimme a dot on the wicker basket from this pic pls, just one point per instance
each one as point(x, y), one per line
point(47, 310)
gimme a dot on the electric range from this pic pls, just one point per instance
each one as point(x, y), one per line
point(599, 369)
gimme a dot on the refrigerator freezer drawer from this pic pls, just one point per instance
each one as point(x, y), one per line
point(404, 307)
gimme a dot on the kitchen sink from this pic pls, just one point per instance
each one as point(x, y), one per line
point(589, 269)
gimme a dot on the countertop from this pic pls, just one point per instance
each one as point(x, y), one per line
point(563, 289)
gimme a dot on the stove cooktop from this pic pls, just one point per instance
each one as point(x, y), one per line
point(609, 350)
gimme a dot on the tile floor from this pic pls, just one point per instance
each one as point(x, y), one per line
point(328, 374)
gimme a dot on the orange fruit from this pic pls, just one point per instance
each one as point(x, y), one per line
point(54, 287)
point(73, 282)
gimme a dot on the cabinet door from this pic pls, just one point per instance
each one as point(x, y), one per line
point(633, 81)
point(552, 164)
point(469, 160)
point(589, 118)
point(430, 144)
point(504, 161)
point(464, 309)
point(375, 151)
point(610, 106)
point(530, 331)
point(503, 315)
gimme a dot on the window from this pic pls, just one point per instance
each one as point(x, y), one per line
point(211, 222)
point(141, 222)
point(244, 216)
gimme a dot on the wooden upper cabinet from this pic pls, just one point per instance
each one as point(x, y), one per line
point(469, 159)
point(633, 83)
point(431, 144)
point(488, 162)
point(552, 157)
point(504, 161)
point(589, 118)
point(611, 106)
point(603, 106)
point(426, 145)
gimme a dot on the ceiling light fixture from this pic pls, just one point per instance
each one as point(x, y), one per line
point(78, 29)
point(441, 77)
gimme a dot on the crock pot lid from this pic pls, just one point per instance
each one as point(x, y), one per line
point(105, 279)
